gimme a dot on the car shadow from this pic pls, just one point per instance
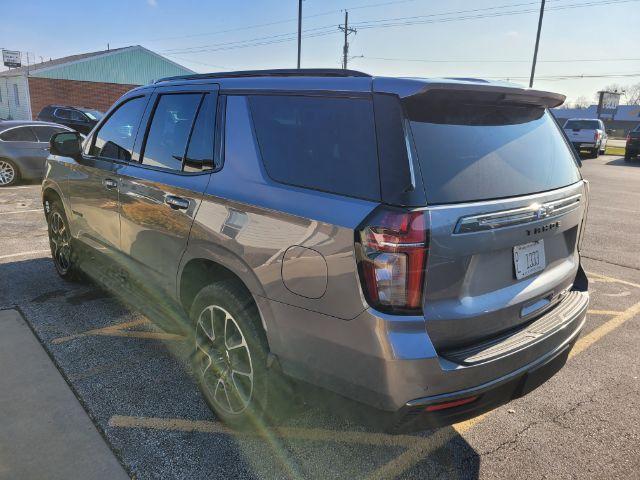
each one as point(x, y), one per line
point(133, 378)
point(621, 163)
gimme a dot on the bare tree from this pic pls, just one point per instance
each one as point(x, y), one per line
point(632, 94)
point(581, 102)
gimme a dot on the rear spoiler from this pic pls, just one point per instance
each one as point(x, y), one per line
point(407, 88)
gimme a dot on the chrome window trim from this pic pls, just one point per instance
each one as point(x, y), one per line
point(517, 216)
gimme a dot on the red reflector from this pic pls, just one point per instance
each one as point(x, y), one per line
point(454, 403)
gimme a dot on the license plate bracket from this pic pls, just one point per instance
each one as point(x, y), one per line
point(528, 259)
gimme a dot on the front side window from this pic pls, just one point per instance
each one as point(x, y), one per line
point(63, 114)
point(77, 116)
point(169, 131)
point(44, 134)
point(21, 134)
point(116, 136)
point(323, 143)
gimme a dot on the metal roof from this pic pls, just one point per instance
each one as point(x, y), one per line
point(133, 65)
point(625, 113)
point(55, 62)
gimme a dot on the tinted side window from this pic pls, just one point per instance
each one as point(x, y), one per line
point(322, 143)
point(200, 151)
point(77, 116)
point(62, 113)
point(22, 134)
point(172, 121)
point(116, 136)
point(44, 134)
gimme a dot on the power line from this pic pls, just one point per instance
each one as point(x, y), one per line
point(328, 29)
point(276, 22)
point(408, 21)
point(501, 61)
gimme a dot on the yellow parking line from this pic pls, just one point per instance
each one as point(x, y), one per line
point(604, 312)
point(309, 434)
point(119, 330)
point(22, 254)
point(591, 338)
point(605, 279)
point(22, 211)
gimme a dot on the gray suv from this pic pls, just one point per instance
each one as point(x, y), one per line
point(409, 244)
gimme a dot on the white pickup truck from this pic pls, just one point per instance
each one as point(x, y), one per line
point(587, 134)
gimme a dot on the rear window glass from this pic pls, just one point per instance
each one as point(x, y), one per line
point(582, 124)
point(323, 143)
point(479, 148)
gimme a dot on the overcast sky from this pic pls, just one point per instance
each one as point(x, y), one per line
point(470, 38)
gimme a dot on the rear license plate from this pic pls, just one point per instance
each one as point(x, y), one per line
point(528, 258)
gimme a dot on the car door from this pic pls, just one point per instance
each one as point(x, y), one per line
point(43, 135)
point(26, 151)
point(160, 194)
point(93, 185)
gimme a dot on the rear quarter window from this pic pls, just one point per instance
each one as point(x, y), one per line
point(322, 143)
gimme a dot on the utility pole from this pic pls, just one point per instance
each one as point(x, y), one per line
point(347, 31)
point(535, 51)
point(299, 30)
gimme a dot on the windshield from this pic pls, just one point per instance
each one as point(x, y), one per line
point(581, 125)
point(470, 150)
point(93, 114)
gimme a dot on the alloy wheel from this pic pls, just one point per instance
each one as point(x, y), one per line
point(60, 241)
point(223, 360)
point(7, 173)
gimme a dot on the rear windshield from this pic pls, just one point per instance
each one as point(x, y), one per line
point(475, 148)
point(582, 125)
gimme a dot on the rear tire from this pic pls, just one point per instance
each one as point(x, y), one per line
point(9, 173)
point(595, 152)
point(230, 356)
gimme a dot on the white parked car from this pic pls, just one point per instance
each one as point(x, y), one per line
point(587, 134)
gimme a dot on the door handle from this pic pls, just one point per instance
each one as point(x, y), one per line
point(110, 183)
point(177, 203)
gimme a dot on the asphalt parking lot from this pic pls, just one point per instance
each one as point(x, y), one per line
point(134, 382)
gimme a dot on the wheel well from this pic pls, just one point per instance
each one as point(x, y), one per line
point(201, 272)
point(50, 196)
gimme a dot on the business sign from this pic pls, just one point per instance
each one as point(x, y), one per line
point(608, 103)
point(11, 59)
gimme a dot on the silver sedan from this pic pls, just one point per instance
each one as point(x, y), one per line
point(24, 147)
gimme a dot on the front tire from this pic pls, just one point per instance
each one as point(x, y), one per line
point(60, 241)
point(230, 356)
point(9, 173)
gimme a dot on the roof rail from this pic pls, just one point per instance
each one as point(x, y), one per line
point(283, 72)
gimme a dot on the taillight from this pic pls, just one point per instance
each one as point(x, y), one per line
point(391, 260)
point(596, 136)
point(628, 137)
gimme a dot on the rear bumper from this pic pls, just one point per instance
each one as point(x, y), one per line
point(579, 145)
point(389, 363)
point(416, 416)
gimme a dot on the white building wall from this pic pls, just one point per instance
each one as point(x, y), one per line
point(11, 107)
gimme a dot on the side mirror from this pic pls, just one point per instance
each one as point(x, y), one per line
point(66, 144)
point(609, 131)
